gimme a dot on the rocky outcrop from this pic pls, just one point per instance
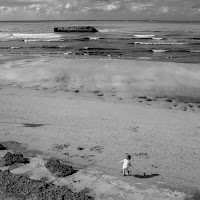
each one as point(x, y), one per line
point(14, 158)
point(78, 29)
point(22, 188)
point(59, 169)
point(2, 147)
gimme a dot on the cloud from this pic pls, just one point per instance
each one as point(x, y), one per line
point(129, 9)
point(139, 6)
point(164, 10)
point(68, 6)
point(3, 9)
point(113, 6)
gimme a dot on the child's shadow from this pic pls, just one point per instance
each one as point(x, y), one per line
point(144, 175)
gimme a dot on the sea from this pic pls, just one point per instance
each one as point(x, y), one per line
point(130, 40)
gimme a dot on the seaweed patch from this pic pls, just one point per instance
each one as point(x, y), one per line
point(32, 125)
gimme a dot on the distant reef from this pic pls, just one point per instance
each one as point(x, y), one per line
point(77, 29)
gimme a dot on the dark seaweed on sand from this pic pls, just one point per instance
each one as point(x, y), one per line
point(23, 188)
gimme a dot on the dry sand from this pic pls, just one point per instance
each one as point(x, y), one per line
point(93, 130)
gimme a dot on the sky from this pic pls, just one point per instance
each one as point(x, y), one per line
point(100, 10)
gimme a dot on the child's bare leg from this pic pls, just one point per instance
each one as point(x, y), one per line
point(123, 171)
point(128, 172)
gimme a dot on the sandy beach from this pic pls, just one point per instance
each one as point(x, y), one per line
point(91, 113)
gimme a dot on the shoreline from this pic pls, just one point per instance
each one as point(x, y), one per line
point(88, 128)
point(92, 57)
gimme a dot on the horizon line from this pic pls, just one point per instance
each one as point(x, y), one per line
point(197, 21)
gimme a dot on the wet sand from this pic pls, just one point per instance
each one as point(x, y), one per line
point(93, 130)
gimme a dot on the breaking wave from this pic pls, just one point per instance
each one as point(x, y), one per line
point(28, 37)
point(155, 38)
point(159, 50)
point(45, 40)
point(40, 35)
point(161, 43)
point(85, 39)
point(107, 30)
point(144, 36)
point(94, 38)
point(194, 51)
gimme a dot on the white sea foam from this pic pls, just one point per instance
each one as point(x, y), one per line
point(62, 46)
point(194, 51)
point(68, 53)
point(104, 74)
point(15, 47)
point(154, 38)
point(38, 35)
point(107, 30)
point(160, 43)
point(94, 38)
point(159, 50)
point(44, 40)
point(4, 35)
point(144, 36)
point(30, 37)
point(143, 58)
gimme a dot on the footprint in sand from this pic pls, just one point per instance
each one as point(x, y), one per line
point(98, 149)
point(85, 156)
point(142, 154)
point(88, 157)
point(135, 129)
point(59, 147)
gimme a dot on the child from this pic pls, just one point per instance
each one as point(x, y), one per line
point(126, 165)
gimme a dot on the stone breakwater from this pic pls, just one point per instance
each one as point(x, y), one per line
point(81, 29)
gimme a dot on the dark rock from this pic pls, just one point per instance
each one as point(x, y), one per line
point(22, 188)
point(76, 91)
point(196, 196)
point(14, 158)
point(59, 169)
point(78, 29)
point(80, 148)
point(142, 97)
point(100, 94)
point(2, 147)
point(96, 91)
point(169, 100)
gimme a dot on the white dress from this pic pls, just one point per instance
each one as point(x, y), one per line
point(126, 163)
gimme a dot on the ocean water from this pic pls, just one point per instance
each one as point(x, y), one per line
point(140, 40)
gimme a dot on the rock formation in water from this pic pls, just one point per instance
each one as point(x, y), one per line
point(78, 29)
